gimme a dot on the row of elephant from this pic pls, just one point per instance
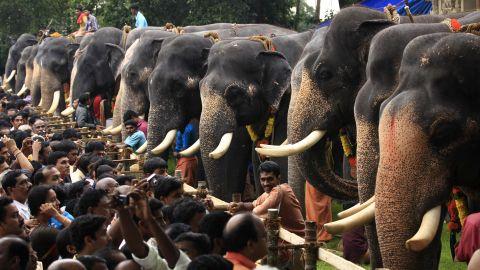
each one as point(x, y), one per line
point(405, 94)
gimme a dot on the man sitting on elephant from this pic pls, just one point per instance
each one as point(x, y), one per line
point(276, 195)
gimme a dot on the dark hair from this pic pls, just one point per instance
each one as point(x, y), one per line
point(5, 124)
point(79, 7)
point(122, 179)
point(213, 224)
point(94, 146)
point(89, 261)
point(236, 238)
point(165, 185)
point(134, 6)
point(19, 248)
point(4, 202)
point(186, 210)
point(82, 226)
point(155, 204)
point(61, 192)
point(36, 197)
point(75, 190)
point(10, 180)
point(154, 163)
point(175, 229)
point(15, 115)
point(83, 99)
point(56, 137)
point(33, 119)
point(43, 240)
point(18, 137)
point(20, 103)
point(108, 254)
point(269, 166)
point(64, 238)
point(66, 146)
point(84, 161)
point(129, 115)
point(71, 133)
point(199, 240)
point(210, 262)
point(55, 156)
point(103, 169)
point(130, 123)
point(91, 198)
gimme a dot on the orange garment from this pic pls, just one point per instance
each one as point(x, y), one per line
point(282, 197)
point(188, 166)
point(318, 207)
point(239, 261)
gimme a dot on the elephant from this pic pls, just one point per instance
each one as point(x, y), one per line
point(246, 85)
point(180, 67)
point(32, 82)
point(331, 80)
point(97, 65)
point(428, 137)
point(52, 68)
point(14, 54)
point(22, 69)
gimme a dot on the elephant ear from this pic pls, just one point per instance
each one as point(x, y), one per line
point(71, 50)
point(156, 46)
point(275, 78)
point(366, 31)
point(115, 55)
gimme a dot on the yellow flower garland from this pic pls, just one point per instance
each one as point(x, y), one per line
point(346, 145)
point(268, 129)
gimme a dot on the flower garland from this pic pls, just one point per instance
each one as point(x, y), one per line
point(348, 151)
point(268, 130)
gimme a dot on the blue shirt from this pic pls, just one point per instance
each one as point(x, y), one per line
point(140, 20)
point(185, 139)
point(53, 222)
point(135, 140)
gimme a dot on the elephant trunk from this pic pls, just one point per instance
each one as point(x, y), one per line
point(162, 119)
point(49, 84)
point(133, 99)
point(313, 113)
point(35, 84)
point(28, 77)
point(20, 78)
point(216, 121)
point(411, 180)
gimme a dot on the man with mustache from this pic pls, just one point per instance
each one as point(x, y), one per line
point(11, 222)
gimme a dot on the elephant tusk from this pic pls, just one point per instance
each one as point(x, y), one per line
point(274, 146)
point(56, 101)
point(167, 141)
point(356, 208)
point(142, 148)
point(426, 232)
point(222, 147)
point(40, 103)
point(68, 111)
point(293, 149)
point(22, 91)
point(192, 150)
point(116, 130)
point(9, 90)
point(11, 76)
point(358, 219)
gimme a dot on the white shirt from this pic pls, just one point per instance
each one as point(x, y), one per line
point(23, 209)
point(154, 261)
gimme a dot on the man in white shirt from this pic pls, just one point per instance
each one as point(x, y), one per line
point(16, 185)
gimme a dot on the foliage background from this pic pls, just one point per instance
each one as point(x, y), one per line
point(28, 16)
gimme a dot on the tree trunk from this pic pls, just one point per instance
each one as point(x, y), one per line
point(317, 12)
point(297, 13)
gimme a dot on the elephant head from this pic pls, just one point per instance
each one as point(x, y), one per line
point(54, 63)
point(174, 88)
point(139, 62)
point(29, 71)
point(22, 69)
point(429, 141)
point(244, 85)
point(14, 54)
point(96, 68)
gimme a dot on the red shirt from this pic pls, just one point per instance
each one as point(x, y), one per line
point(239, 261)
point(96, 106)
point(143, 126)
point(470, 240)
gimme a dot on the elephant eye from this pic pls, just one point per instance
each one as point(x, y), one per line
point(443, 133)
point(325, 74)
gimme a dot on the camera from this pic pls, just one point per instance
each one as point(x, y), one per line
point(120, 200)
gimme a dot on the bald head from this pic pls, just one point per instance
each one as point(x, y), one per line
point(66, 264)
point(109, 184)
point(245, 233)
point(128, 265)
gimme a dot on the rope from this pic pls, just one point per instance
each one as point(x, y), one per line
point(392, 13)
point(213, 36)
point(126, 30)
point(266, 42)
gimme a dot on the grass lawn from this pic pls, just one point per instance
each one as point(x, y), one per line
point(445, 259)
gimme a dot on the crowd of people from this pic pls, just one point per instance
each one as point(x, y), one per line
point(65, 204)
